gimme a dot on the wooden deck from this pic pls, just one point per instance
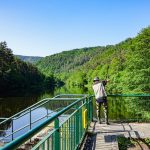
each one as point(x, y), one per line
point(105, 136)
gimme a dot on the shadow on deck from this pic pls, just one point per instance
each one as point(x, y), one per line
point(104, 137)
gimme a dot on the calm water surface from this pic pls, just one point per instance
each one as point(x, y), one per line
point(120, 109)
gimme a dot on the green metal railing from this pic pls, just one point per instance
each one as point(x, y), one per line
point(129, 107)
point(64, 135)
point(68, 134)
point(29, 112)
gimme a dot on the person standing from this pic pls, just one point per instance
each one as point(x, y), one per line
point(101, 98)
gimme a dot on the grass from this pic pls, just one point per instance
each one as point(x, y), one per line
point(125, 143)
point(147, 141)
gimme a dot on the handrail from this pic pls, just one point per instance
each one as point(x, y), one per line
point(35, 147)
point(22, 111)
point(27, 125)
point(31, 108)
point(20, 140)
point(36, 106)
point(3, 118)
point(129, 95)
point(27, 109)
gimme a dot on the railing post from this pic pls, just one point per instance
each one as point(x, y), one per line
point(57, 135)
point(30, 119)
point(77, 126)
point(47, 112)
point(12, 129)
point(91, 108)
point(88, 110)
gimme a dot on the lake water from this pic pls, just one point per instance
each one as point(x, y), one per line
point(11, 105)
point(120, 109)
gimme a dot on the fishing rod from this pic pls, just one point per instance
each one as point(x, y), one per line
point(107, 74)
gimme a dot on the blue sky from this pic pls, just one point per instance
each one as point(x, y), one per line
point(45, 27)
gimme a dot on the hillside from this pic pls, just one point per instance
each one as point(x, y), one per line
point(31, 59)
point(67, 61)
point(126, 64)
point(17, 75)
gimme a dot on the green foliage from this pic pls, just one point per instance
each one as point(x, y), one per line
point(126, 64)
point(124, 143)
point(67, 61)
point(127, 143)
point(30, 59)
point(18, 75)
point(147, 141)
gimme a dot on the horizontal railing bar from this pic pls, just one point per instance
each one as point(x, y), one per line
point(39, 119)
point(45, 115)
point(48, 115)
point(73, 95)
point(15, 131)
point(25, 111)
point(26, 125)
point(6, 139)
point(6, 130)
point(128, 95)
point(32, 109)
point(18, 141)
point(39, 106)
point(3, 118)
point(19, 113)
point(55, 99)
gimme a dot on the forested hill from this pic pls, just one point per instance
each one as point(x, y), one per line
point(67, 61)
point(16, 75)
point(126, 64)
point(31, 59)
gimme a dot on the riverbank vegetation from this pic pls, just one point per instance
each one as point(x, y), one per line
point(126, 65)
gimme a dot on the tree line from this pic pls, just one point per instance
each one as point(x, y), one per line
point(126, 65)
point(16, 75)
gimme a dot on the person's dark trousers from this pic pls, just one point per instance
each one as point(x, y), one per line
point(105, 108)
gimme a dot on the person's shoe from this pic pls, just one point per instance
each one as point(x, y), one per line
point(99, 121)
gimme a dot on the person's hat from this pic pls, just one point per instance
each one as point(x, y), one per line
point(96, 79)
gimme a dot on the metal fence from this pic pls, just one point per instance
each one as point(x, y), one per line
point(129, 107)
point(66, 134)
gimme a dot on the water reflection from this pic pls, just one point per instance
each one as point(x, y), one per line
point(125, 109)
point(120, 108)
point(31, 118)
